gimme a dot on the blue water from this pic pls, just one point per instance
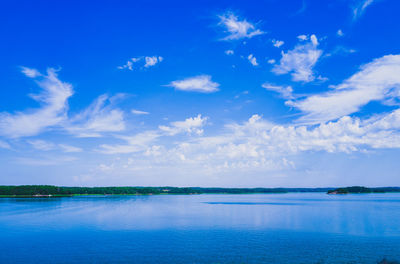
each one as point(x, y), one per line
point(267, 228)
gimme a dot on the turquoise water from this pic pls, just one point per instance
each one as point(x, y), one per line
point(266, 228)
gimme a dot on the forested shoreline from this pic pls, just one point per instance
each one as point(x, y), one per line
point(47, 190)
point(50, 190)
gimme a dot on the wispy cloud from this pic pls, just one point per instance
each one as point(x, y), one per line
point(53, 99)
point(229, 52)
point(137, 143)
point(301, 60)
point(44, 145)
point(286, 92)
point(45, 160)
point(376, 81)
point(100, 117)
point(139, 112)
point(360, 6)
point(41, 144)
point(4, 145)
point(31, 73)
point(69, 149)
point(145, 142)
point(200, 83)
point(238, 28)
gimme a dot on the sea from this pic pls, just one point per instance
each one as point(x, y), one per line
point(221, 228)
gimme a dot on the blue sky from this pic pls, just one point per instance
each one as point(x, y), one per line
point(208, 93)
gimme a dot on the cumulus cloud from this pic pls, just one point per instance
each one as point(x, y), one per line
point(252, 60)
point(340, 33)
point(200, 83)
point(237, 28)
point(378, 80)
point(286, 92)
point(258, 144)
point(229, 52)
point(192, 125)
point(277, 43)
point(151, 61)
point(53, 99)
point(100, 117)
point(271, 61)
point(300, 61)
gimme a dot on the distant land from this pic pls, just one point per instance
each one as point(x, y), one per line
point(60, 191)
point(360, 189)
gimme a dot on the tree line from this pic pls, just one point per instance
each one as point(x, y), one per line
point(31, 190)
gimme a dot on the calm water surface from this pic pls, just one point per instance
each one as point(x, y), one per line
point(267, 228)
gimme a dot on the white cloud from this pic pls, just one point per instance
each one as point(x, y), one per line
point(378, 80)
point(69, 148)
point(271, 61)
point(360, 7)
point(53, 99)
point(98, 118)
point(144, 141)
point(302, 37)
point(341, 50)
point(138, 112)
point(258, 141)
point(192, 125)
point(47, 146)
point(146, 62)
point(340, 33)
point(258, 144)
point(253, 146)
point(4, 145)
point(277, 43)
point(229, 52)
point(300, 61)
point(252, 60)
point(137, 143)
point(151, 61)
point(285, 91)
point(31, 73)
point(41, 145)
point(200, 83)
point(129, 64)
point(236, 28)
point(45, 160)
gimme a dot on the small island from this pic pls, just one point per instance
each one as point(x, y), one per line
point(361, 189)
